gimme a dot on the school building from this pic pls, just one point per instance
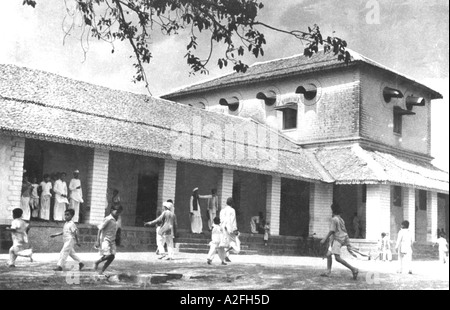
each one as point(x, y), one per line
point(288, 138)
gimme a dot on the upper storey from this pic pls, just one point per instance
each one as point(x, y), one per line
point(323, 100)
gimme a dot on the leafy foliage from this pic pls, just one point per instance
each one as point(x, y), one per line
point(230, 22)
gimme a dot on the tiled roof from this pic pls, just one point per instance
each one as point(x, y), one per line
point(355, 165)
point(283, 67)
point(46, 106)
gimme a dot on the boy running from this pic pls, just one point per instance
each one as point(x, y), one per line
point(70, 237)
point(106, 238)
point(19, 229)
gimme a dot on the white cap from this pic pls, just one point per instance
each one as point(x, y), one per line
point(195, 189)
point(76, 171)
point(167, 205)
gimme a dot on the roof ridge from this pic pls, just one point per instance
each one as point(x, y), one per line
point(370, 161)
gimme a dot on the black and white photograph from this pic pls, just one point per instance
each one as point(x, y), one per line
point(219, 151)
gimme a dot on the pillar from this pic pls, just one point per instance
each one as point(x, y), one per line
point(409, 208)
point(273, 205)
point(432, 216)
point(225, 187)
point(97, 186)
point(378, 210)
point(12, 154)
point(167, 180)
point(321, 198)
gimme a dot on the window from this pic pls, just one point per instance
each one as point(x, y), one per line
point(289, 118)
point(422, 200)
point(397, 123)
point(397, 196)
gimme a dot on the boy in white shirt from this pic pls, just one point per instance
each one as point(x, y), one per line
point(216, 235)
point(19, 229)
point(46, 195)
point(70, 237)
point(106, 238)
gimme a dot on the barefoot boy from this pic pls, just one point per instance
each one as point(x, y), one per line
point(19, 229)
point(106, 238)
point(338, 237)
point(70, 237)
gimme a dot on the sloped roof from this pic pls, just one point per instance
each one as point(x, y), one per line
point(356, 165)
point(283, 67)
point(47, 106)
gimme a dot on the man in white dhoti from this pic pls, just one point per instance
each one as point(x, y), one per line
point(46, 195)
point(25, 198)
point(230, 238)
point(76, 195)
point(61, 201)
point(213, 206)
point(196, 216)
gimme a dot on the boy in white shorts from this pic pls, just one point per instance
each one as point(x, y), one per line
point(19, 229)
point(338, 237)
point(70, 237)
point(106, 238)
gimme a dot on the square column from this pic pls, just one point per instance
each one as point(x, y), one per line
point(378, 210)
point(273, 204)
point(321, 198)
point(97, 186)
point(432, 216)
point(12, 154)
point(225, 187)
point(167, 181)
point(409, 209)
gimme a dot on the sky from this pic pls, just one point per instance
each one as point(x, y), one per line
point(409, 36)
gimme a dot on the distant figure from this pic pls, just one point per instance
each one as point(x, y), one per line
point(443, 248)
point(76, 195)
point(46, 195)
point(212, 205)
point(404, 247)
point(61, 201)
point(34, 198)
point(230, 234)
point(266, 233)
point(115, 200)
point(25, 198)
point(195, 213)
point(257, 224)
point(385, 247)
point(356, 222)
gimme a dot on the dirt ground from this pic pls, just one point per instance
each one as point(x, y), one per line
point(245, 272)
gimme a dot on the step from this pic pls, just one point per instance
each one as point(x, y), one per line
point(205, 251)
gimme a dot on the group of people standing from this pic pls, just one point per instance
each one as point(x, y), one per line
point(37, 199)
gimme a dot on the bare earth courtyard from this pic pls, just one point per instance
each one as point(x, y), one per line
point(245, 272)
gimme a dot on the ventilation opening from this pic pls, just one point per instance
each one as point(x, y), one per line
point(231, 103)
point(412, 101)
point(389, 93)
point(269, 97)
point(309, 91)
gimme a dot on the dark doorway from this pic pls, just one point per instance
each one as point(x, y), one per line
point(294, 213)
point(147, 197)
point(34, 160)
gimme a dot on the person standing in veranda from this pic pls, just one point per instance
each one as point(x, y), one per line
point(34, 198)
point(25, 198)
point(61, 201)
point(167, 222)
point(404, 248)
point(46, 195)
point(195, 213)
point(230, 239)
point(212, 205)
point(76, 195)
